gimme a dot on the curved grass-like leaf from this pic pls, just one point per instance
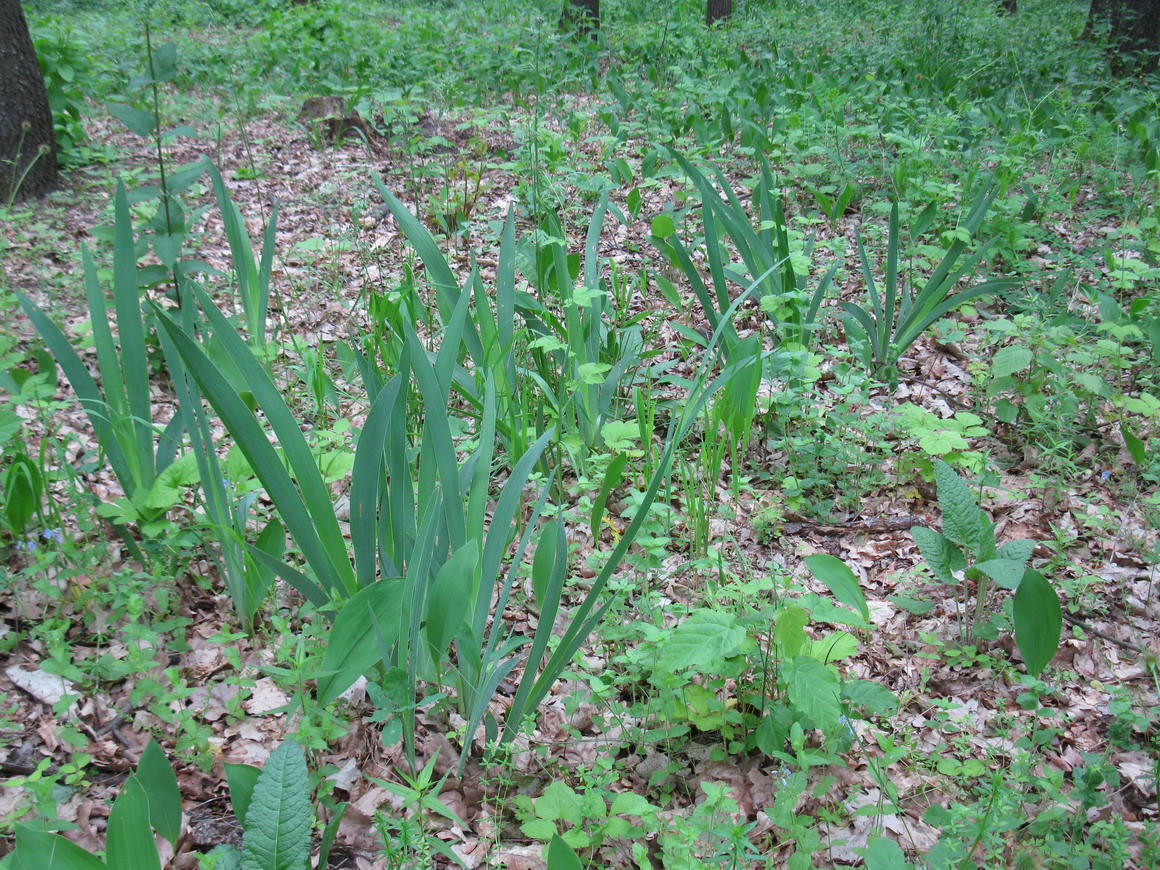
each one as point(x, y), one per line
point(352, 647)
point(302, 499)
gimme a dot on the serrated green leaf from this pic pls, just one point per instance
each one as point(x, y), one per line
point(814, 690)
point(964, 523)
point(1009, 360)
point(160, 784)
point(280, 819)
point(940, 442)
point(1038, 621)
point(129, 844)
point(41, 850)
point(942, 557)
point(1019, 550)
point(703, 641)
point(539, 829)
point(840, 580)
point(663, 226)
point(560, 802)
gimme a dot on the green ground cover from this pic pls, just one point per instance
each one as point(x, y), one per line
point(440, 440)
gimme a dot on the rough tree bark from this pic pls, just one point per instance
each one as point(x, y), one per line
point(1010, 6)
point(717, 10)
point(27, 143)
point(583, 15)
point(1133, 32)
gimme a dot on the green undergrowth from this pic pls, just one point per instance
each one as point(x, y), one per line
point(576, 492)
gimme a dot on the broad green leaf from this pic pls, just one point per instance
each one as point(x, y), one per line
point(872, 696)
point(1038, 621)
point(629, 803)
point(560, 802)
point(611, 480)
point(241, 779)
point(940, 442)
point(129, 844)
point(825, 609)
point(1136, 447)
point(1005, 572)
point(703, 641)
point(620, 435)
point(41, 850)
point(222, 857)
point(450, 598)
point(280, 819)
point(963, 522)
point(160, 783)
point(813, 689)
point(165, 492)
point(663, 226)
point(884, 854)
point(840, 580)
point(352, 648)
point(561, 856)
point(1009, 360)
point(942, 557)
point(834, 646)
point(789, 630)
point(138, 121)
point(1019, 550)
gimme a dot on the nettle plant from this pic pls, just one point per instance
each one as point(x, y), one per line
point(966, 553)
point(753, 675)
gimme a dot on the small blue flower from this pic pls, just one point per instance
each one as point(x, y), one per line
point(56, 536)
point(1105, 474)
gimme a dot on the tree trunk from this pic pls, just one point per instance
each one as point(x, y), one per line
point(717, 10)
point(583, 16)
point(1133, 32)
point(27, 143)
point(1098, 12)
point(1138, 37)
point(1010, 6)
